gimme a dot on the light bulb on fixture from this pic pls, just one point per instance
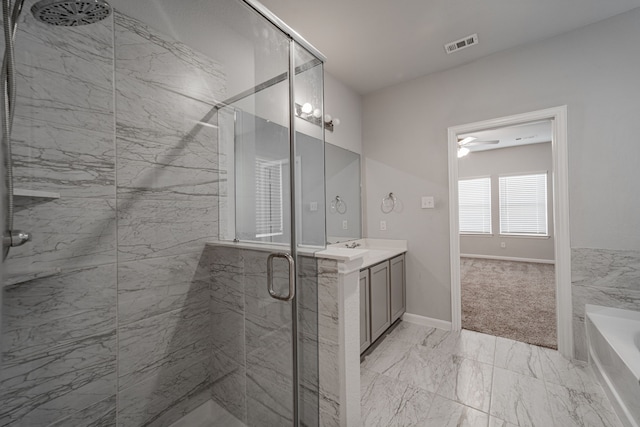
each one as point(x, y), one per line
point(317, 113)
point(336, 122)
point(327, 118)
point(307, 108)
point(462, 151)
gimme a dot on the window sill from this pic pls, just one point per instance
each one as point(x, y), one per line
point(476, 235)
point(525, 236)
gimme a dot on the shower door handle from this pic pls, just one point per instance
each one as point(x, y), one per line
point(292, 277)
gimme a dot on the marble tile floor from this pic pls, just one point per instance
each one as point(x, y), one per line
point(420, 376)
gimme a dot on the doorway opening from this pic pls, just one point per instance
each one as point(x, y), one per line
point(513, 235)
point(505, 211)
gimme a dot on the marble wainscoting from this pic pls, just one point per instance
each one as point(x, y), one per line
point(609, 278)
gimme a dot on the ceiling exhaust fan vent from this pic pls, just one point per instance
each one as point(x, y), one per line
point(461, 44)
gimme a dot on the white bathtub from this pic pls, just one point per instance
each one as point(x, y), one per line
point(613, 337)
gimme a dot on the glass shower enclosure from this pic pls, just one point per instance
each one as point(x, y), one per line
point(168, 163)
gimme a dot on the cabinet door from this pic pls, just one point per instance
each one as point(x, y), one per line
point(380, 299)
point(365, 325)
point(398, 288)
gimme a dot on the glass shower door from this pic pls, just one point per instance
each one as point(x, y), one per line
point(272, 206)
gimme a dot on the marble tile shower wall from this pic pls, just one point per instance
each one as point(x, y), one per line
point(167, 193)
point(252, 358)
point(604, 277)
point(108, 306)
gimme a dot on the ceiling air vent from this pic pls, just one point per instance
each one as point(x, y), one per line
point(461, 44)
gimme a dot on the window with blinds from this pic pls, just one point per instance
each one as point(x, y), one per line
point(523, 204)
point(474, 205)
point(269, 209)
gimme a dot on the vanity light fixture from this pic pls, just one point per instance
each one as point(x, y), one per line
point(308, 113)
point(306, 108)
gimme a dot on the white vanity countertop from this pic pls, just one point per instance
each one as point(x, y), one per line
point(372, 251)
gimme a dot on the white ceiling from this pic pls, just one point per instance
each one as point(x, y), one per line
point(372, 44)
point(511, 136)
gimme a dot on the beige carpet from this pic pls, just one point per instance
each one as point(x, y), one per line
point(515, 300)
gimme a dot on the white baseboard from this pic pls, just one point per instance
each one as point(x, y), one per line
point(427, 321)
point(508, 258)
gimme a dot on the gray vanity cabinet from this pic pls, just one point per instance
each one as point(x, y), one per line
point(398, 288)
point(380, 299)
point(365, 301)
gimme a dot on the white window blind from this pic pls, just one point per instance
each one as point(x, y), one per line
point(474, 204)
point(269, 210)
point(523, 204)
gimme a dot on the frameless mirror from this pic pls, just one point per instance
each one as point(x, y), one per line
point(342, 168)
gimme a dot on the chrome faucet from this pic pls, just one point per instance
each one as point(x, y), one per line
point(352, 245)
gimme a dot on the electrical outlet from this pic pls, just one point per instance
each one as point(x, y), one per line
point(503, 245)
point(345, 225)
point(383, 225)
point(313, 206)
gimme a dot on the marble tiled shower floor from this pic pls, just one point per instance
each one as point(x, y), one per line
point(420, 376)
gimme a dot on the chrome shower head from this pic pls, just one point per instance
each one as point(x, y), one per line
point(72, 13)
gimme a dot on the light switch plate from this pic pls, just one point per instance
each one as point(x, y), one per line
point(383, 225)
point(345, 225)
point(428, 202)
point(313, 206)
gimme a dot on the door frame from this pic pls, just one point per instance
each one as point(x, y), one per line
point(562, 242)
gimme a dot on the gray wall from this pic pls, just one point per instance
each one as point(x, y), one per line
point(592, 70)
point(493, 163)
point(343, 179)
point(342, 102)
point(108, 306)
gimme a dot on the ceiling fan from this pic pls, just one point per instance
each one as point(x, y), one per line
point(471, 141)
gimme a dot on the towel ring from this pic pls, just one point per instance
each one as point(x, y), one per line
point(388, 203)
point(338, 205)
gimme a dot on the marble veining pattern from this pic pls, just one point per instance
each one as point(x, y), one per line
point(158, 171)
point(62, 364)
point(604, 268)
point(153, 114)
point(155, 228)
point(159, 285)
point(67, 234)
point(66, 75)
point(74, 162)
point(41, 388)
point(153, 401)
point(518, 357)
point(328, 333)
point(71, 306)
point(523, 385)
point(610, 278)
point(575, 408)
point(389, 402)
point(101, 414)
point(150, 346)
point(149, 56)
